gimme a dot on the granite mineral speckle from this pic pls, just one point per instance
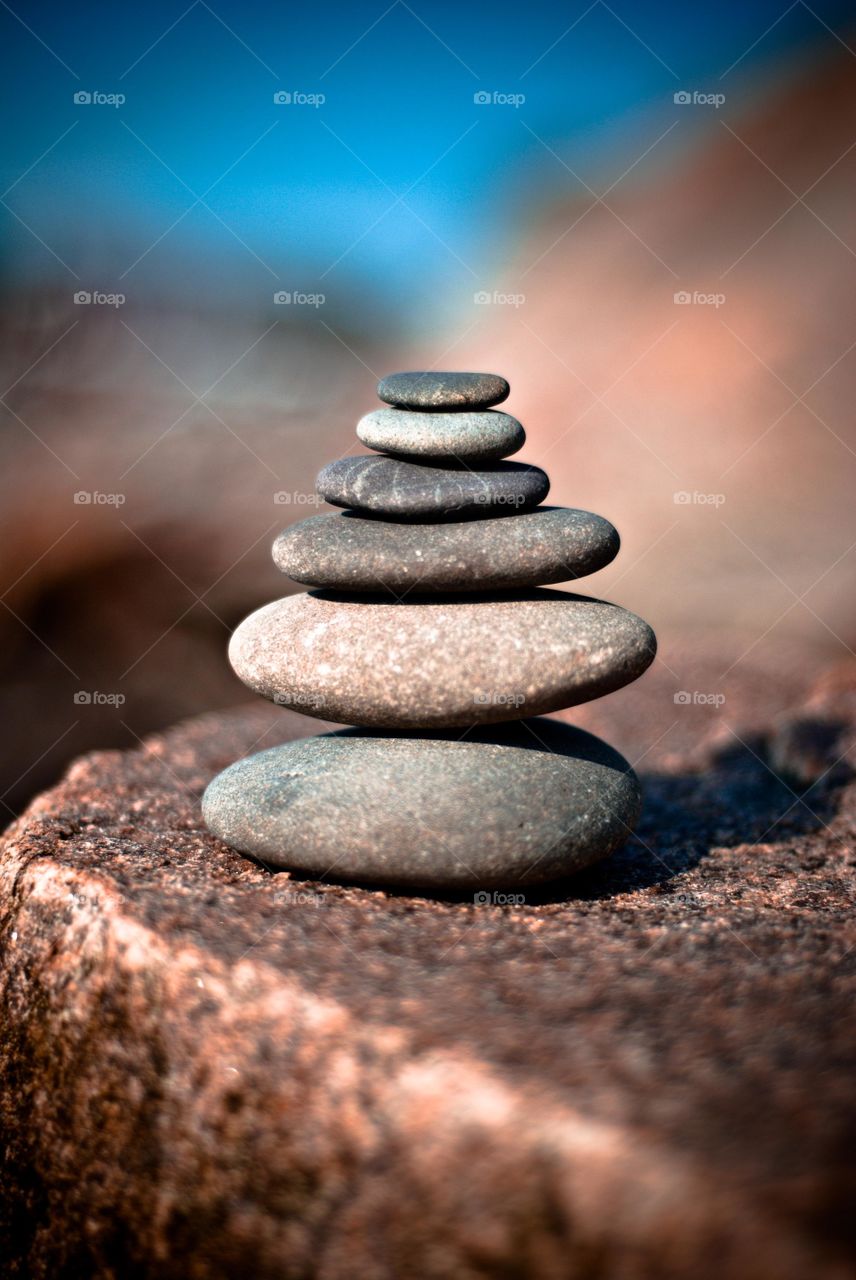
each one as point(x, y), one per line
point(348, 552)
point(443, 390)
point(511, 806)
point(207, 1068)
point(471, 437)
point(391, 486)
point(456, 660)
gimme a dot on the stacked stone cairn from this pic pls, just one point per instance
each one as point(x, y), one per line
point(427, 626)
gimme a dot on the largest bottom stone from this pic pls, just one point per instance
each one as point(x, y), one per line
point(504, 807)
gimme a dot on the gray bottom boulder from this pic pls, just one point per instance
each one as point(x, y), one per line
point(504, 807)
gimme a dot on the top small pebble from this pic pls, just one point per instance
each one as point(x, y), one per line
point(443, 391)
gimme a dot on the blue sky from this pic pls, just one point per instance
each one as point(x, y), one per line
point(398, 176)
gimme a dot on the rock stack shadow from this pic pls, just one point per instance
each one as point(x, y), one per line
point(428, 627)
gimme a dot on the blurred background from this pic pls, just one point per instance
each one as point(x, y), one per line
point(220, 224)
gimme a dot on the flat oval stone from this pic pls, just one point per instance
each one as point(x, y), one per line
point(517, 805)
point(353, 553)
point(471, 437)
point(443, 390)
point(452, 660)
point(390, 486)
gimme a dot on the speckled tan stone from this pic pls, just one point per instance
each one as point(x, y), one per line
point(472, 437)
point(347, 552)
point(450, 661)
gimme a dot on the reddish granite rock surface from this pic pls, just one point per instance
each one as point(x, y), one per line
point(209, 1070)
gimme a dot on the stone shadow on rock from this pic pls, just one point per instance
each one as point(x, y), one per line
point(739, 799)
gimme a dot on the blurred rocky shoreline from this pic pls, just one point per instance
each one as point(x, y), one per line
point(719, 437)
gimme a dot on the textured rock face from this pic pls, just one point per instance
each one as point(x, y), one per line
point(207, 1069)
